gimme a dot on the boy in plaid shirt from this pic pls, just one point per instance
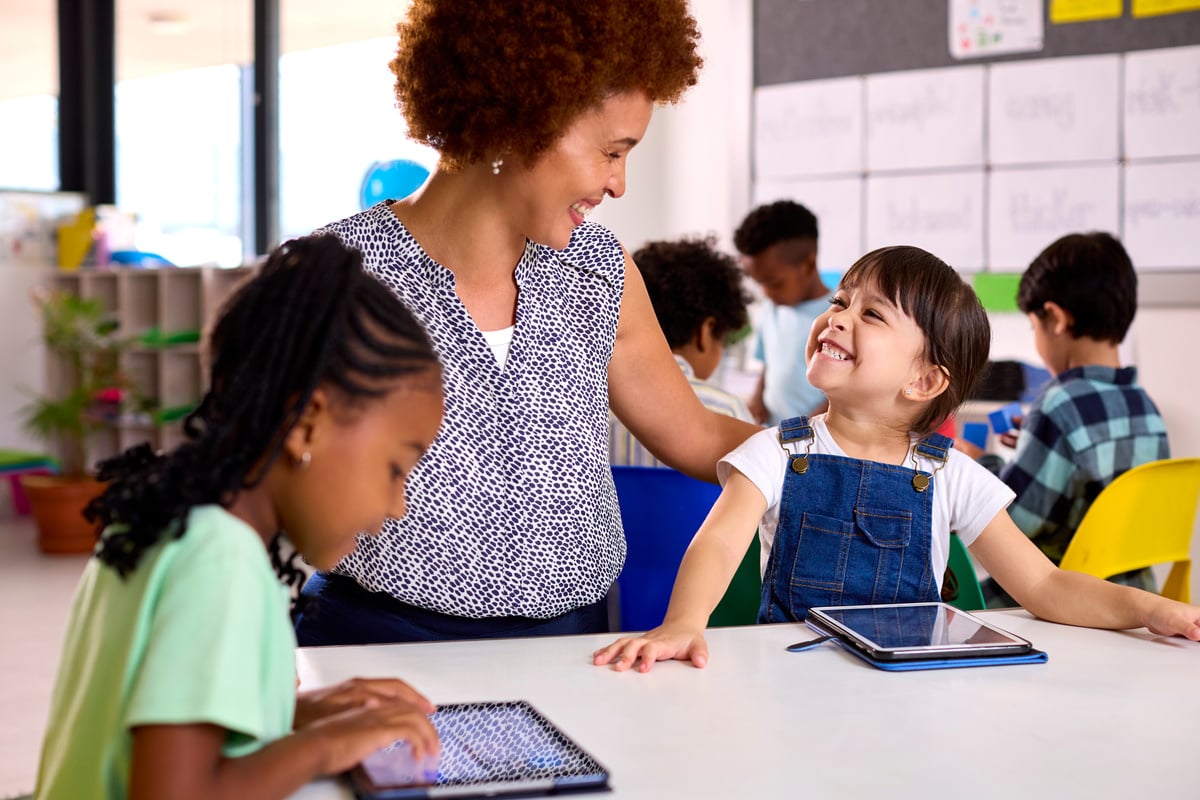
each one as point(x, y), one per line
point(1091, 421)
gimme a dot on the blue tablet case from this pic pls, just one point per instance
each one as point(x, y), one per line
point(910, 665)
point(1034, 657)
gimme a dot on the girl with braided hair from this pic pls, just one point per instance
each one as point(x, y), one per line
point(178, 673)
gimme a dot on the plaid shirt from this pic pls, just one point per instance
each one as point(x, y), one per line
point(1088, 425)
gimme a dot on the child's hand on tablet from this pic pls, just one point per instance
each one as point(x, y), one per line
point(661, 644)
point(356, 692)
point(352, 735)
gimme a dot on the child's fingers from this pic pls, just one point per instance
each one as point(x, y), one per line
point(396, 689)
point(606, 654)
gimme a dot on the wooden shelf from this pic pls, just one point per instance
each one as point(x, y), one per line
point(163, 305)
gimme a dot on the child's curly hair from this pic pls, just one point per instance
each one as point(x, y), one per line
point(504, 78)
point(689, 280)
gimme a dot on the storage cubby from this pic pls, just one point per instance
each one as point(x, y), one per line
point(165, 312)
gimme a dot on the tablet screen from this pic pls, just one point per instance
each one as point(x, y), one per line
point(487, 749)
point(919, 630)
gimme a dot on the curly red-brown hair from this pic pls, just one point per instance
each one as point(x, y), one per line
point(484, 79)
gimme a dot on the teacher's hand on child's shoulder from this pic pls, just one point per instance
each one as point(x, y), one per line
point(664, 643)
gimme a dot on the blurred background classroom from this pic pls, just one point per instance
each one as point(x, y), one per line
point(201, 134)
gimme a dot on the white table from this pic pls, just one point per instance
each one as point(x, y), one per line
point(1112, 714)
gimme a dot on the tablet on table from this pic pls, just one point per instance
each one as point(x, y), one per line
point(488, 750)
point(914, 631)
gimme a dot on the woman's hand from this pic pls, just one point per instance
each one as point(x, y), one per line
point(661, 644)
point(355, 693)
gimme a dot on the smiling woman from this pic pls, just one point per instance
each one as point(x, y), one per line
point(538, 315)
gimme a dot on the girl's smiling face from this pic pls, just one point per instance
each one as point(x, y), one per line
point(864, 349)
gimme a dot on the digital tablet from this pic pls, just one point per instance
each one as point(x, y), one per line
point(909, 631)
point(488, 750)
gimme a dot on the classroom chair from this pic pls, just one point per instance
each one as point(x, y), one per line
point(1143, 518)
point(661, 510)
point(970, 595)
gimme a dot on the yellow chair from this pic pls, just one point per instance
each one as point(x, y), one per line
point(1143, 518)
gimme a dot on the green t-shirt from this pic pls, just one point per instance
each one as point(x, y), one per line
point(198, 633)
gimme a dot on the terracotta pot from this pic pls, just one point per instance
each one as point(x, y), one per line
point(57, 505)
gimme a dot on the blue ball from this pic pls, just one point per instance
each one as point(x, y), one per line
point(390, 180)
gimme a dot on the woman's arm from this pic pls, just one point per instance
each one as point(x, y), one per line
point(1074, 598)
point(704, 574)
point(184, 762)
point(650, 395)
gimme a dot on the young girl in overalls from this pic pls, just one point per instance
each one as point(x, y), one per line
point(178, 676)
point(856, 505)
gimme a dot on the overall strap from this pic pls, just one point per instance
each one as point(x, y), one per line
point(795, 429)
point(935, 446)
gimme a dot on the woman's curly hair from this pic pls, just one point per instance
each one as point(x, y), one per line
point(489, 78)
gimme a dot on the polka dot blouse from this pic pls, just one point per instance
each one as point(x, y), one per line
point(513, 510)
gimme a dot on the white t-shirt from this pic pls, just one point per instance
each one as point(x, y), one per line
point(966, 496)
point(499, 341)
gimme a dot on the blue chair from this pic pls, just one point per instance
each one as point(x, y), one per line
point(661, 510)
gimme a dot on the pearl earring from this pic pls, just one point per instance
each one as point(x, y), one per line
point(305, 460)
point(496, 166)
point(907, 392)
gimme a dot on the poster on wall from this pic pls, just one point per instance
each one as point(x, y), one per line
point(837, 204)
point(1030, 208)
point(1054, 110)
point(1162, 214)
point(1162, 103)
point(924, 119)
point(981, 28)
point(811, 128)
point(940, 212)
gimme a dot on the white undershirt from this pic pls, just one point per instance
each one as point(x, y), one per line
point(499, 341)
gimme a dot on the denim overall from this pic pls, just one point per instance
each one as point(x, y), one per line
point(850, 531)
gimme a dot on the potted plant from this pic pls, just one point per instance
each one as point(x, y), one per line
point(84, 346)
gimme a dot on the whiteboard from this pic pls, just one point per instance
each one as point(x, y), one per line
point(1030, 208)
point(1162, 103)
point(813, 128)
point(942, 213)
point(925, 118)
point(1162, 214)
point(837, 202)
point(1054, 110)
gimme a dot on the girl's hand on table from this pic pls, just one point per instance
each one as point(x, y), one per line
point(661, 644)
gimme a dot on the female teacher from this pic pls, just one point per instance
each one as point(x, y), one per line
point(540, 318)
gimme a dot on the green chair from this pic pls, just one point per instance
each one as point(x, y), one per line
point(969, 596)
point(740, 604)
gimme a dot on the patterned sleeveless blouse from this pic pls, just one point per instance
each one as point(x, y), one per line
point(512, 512)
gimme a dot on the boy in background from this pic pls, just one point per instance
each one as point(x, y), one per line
point(1091, 421)
point(778, 243)
point(698, 298)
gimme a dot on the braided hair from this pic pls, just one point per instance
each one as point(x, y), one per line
point(310, 316)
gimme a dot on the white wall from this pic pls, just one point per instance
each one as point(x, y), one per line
point(691, 174)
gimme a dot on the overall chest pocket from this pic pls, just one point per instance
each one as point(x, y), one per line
point(849, 556)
